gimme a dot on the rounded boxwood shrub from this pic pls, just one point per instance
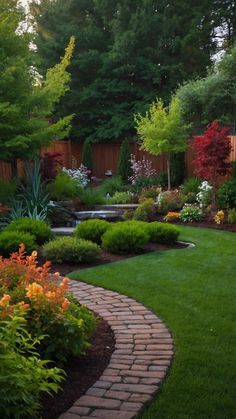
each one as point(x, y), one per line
point(162, 233)
point(39, 229)
point(92, 230)
point(10, 241)
point(126, 237)
point(71, 250)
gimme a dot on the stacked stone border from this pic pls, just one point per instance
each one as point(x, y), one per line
point(143, 353)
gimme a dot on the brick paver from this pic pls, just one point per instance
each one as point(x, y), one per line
point(139, 363)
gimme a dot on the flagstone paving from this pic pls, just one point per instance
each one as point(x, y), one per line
point(143, 352)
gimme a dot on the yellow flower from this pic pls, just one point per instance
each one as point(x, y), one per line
point(34, 290)
point(50, 295)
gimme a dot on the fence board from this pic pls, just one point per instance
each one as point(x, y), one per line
point(106, 156)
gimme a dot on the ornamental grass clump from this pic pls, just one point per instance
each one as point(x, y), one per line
point(51, 311)
point(92, 230)
point(126, 237)
point(71, 250)
point(39, 229)
point(162, 233)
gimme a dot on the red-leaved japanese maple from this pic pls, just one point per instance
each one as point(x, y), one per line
point(212, 155)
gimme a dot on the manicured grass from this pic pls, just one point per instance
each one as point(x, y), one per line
point(194, 292)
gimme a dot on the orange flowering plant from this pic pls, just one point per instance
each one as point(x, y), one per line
point(51, 310)
point(171, 216)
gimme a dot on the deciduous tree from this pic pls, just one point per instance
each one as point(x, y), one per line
point(162, 130)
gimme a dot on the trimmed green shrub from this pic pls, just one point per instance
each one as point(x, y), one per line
point(124, 164)
point(91, 197)
point(10, 241)
point(162, 233)
point(145, 211)
point(190, 213)
point(125, 237)
point(232, 216)
point(71, 250)
point(87, 158)
point(120, 198)
point(226, 195)
point(39, 229)
point(92, 230)
point(63, 187)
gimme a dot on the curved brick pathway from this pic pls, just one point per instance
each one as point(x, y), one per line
point(142, 355)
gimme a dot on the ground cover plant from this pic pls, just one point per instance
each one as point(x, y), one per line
point(193, 291)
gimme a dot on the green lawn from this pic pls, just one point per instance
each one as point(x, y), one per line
point(194, 292)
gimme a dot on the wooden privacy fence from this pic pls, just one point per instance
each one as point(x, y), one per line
point(106, 156)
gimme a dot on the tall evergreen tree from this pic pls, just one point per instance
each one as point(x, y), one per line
point(128, 53)
point(26, 103)
point(124, 164)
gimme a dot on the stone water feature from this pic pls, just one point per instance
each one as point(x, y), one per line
point(108, 215)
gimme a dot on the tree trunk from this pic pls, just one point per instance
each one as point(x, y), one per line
point(168, 171)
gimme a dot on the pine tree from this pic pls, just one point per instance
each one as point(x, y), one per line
point(127, 54)
point(87, 158)
point(124, 164)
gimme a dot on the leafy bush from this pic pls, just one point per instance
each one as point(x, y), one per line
point(170, 201)
point(7, 190)
point(232, 216)
point(226, 196)
point(151, 192)
point(24, 376)
point(128, 214)
point(120, 198)
point(39, 229)
point(145, 211)
point(92, 196)
point(49, 164)
point(125, 237)
point(63, 187)
point(10, 241)
point(71, 250)
point(162, 233)
point(191, 185)
point(92, 230)
point(51, 311)
point(190, 213)
point(111, 186)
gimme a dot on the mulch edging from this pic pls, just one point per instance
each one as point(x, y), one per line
point(143, 353)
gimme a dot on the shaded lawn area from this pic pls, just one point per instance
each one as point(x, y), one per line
point(194, 292)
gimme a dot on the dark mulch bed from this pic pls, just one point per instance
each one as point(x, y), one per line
point(207, 222)
point(82, 372)
point(107, 257)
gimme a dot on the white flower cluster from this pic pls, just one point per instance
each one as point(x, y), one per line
point(81, 175)
point(204, 194)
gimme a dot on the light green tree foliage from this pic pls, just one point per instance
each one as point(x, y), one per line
point(26, 102)
point(212, 97)
point(162, 130)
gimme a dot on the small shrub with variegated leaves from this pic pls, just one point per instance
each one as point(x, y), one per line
point(190, 213)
